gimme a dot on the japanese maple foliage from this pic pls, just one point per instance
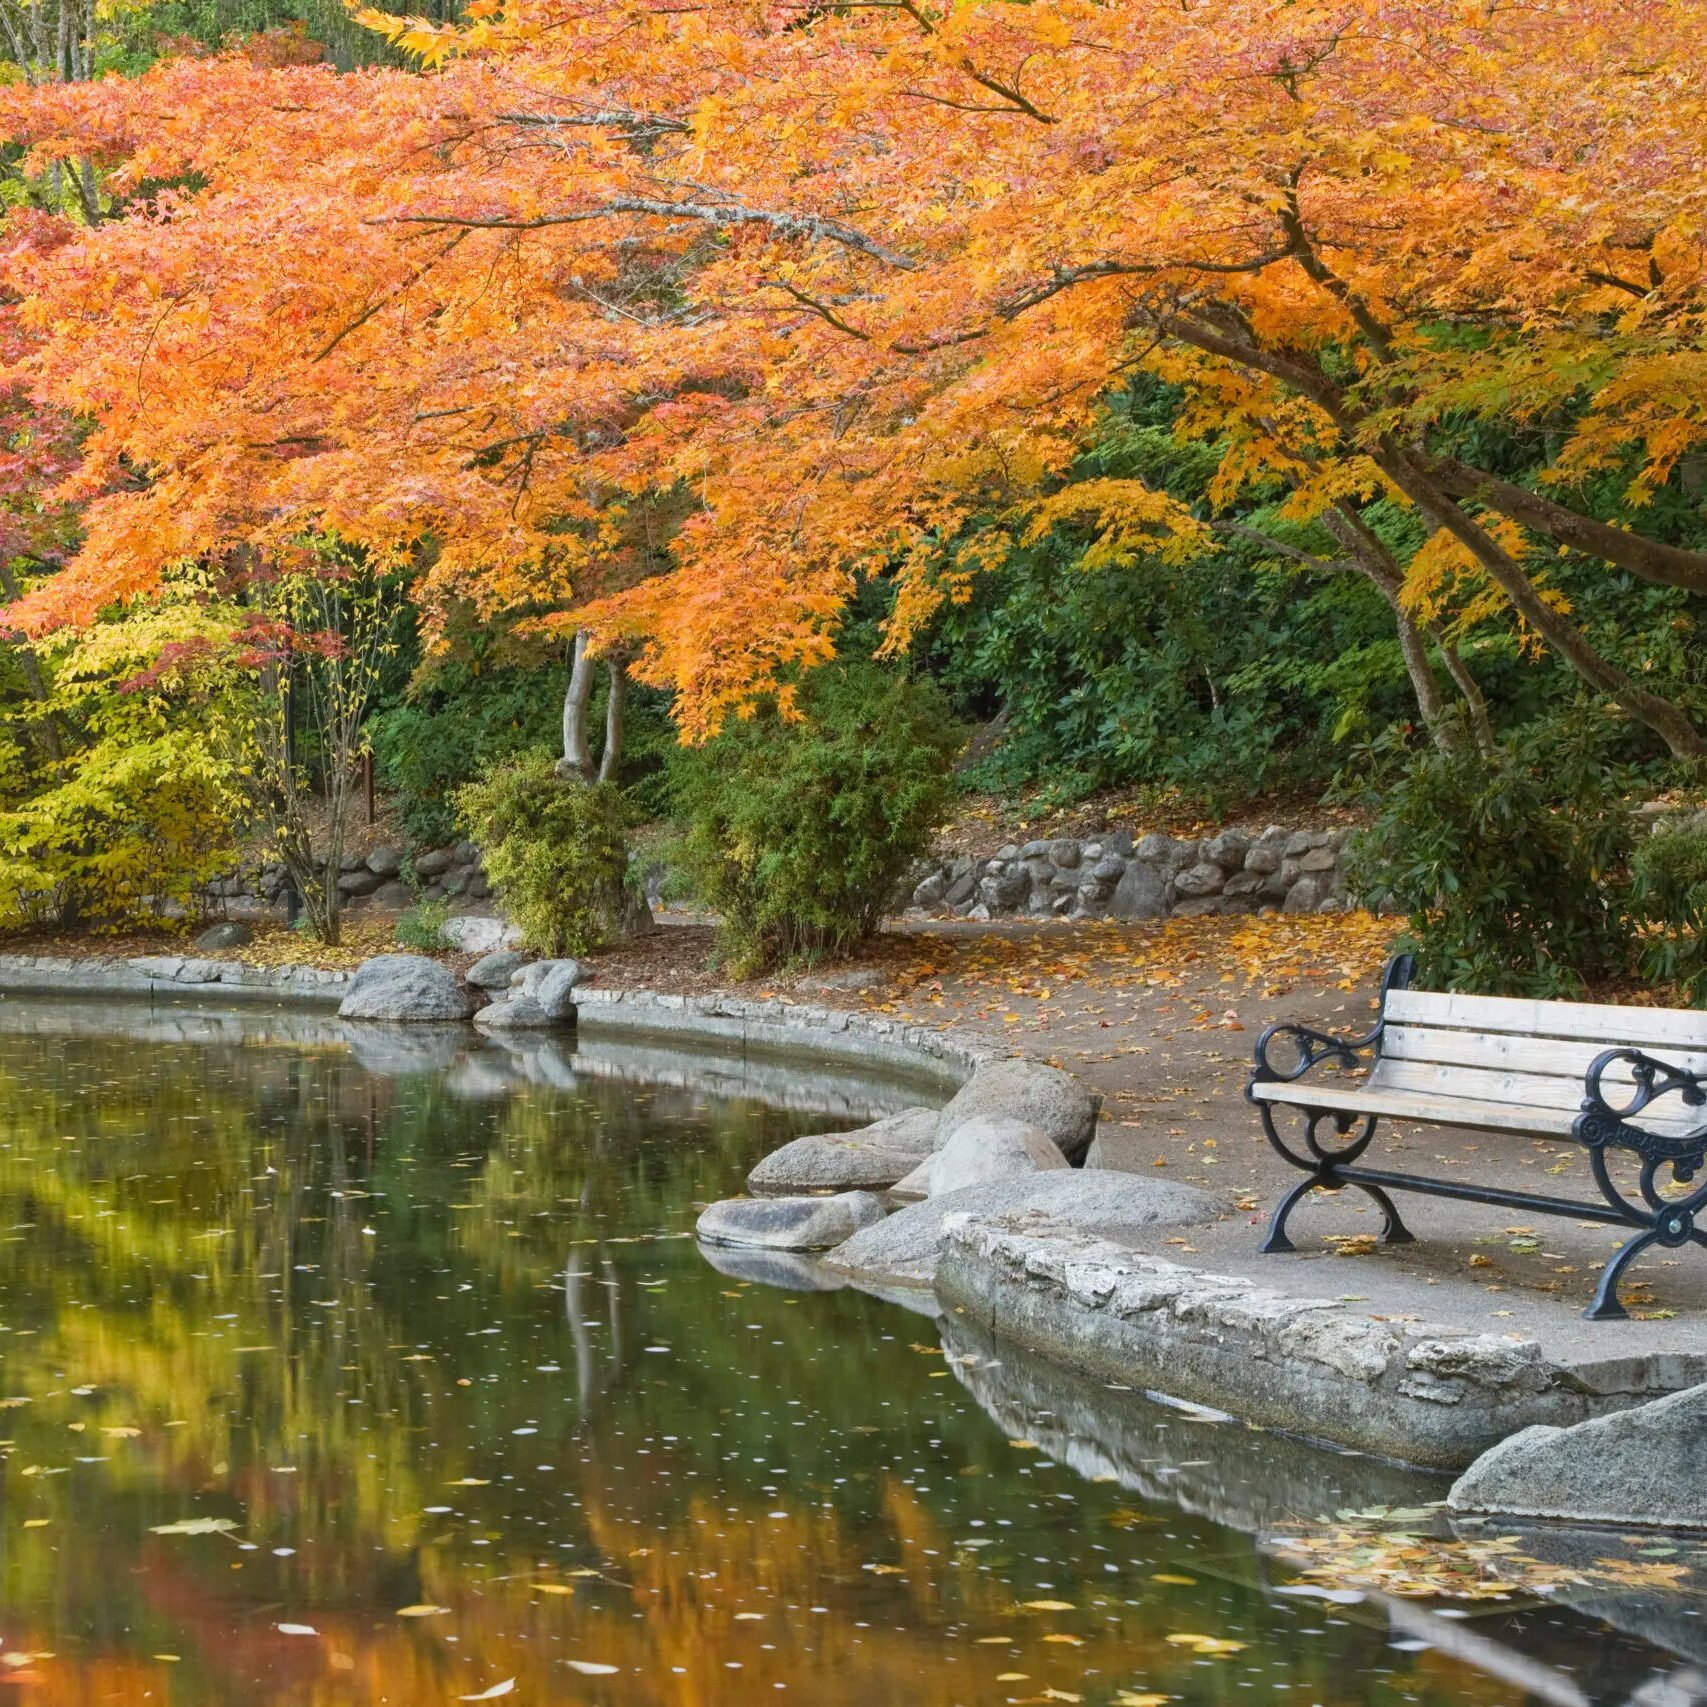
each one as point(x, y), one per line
point(846, 276)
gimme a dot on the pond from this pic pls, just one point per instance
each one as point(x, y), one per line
point(391, 1375)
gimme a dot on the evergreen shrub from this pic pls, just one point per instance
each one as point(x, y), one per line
point(798, 833)
point(1513, 870)
point(1669, 898)
point(554, 850)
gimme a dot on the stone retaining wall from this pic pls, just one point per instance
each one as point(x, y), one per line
point(1110, 877)
point(450, 873)
point(948, 1057)
point(1418, 1392)
point(171, 975)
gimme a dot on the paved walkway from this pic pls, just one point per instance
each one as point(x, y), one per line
point(1162, 1019)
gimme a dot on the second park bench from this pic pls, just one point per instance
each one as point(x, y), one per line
point(1612, 1078)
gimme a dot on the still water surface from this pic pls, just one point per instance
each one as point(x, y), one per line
point(393, 1377)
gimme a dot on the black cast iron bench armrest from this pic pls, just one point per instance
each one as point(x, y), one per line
point(1315, 1047)
point(1653, 1078)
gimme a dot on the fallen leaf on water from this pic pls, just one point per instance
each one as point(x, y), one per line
point(495, 1691)
point(1067, 1641)
point(1048, 1605)
point(1012, 1676)
point(122, 1433)
point(1184, 1582)
point(591, 1668)
point(1206, 1645)
point(987, 1641)
point(554, 1588)
point(887, 1570)
point(422, 1611)
point(37, 1522)
point(470, 1482)
point(1130, 1700)
point(195, 1526)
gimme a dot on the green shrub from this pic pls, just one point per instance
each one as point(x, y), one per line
point(423, 925)
point(799, 833)
point(1669, 896)
point(1512, 870)
point(554, 851)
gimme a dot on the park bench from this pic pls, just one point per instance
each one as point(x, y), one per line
point(1496, 1064)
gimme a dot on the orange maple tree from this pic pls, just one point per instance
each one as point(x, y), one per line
point(843, 278)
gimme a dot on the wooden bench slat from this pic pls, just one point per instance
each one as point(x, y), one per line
point(1641, 1028)
point(1517, 1090)
point(1412, 1105)
point(1507, 1051)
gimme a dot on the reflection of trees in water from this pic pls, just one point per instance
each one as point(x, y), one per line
point(211, 1182)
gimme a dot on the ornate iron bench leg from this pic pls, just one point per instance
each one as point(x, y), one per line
point(1606, 1307)
point(1393, 1229)
point(1275, 1240)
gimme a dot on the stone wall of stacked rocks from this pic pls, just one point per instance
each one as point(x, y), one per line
point(1158, 877)
point(452, 873)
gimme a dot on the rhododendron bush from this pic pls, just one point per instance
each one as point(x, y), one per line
point(837, 281)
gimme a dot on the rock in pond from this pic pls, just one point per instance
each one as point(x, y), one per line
point(906, 1245)
point(870, 1158)
point(1045, 1097)
point(988, 1149)
point(789, 1223)
point(1642, 1467)
point(404, 987)
point(495, 970)
point(231, 934)
point(518, 1013)
point(554, 989)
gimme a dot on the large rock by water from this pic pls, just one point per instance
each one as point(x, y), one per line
point(554, 989)
point(495, 970)
point(870, 1158)
point(905, 1247)
point(406, 987)
point(1646, 1466)
point(518, 1013)
point(1045, 1097)
point(789, 1223)
point(988, 1149)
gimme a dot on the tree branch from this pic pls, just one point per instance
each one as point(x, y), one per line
point(1647, 559)
point(808, 225)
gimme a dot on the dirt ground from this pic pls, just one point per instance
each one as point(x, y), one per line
point(1162, 1019)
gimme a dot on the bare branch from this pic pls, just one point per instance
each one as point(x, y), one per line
point(808, 225)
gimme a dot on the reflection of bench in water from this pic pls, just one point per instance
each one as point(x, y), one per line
point(1493, 1064)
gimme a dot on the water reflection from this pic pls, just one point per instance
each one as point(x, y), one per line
point(327, 1380)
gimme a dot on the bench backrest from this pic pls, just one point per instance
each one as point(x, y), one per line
point(1533, 1054)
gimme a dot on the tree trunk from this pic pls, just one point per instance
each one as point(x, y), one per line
point(616, 722)
point(1471, 690)
point(1371, 559)
point(577, 757)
